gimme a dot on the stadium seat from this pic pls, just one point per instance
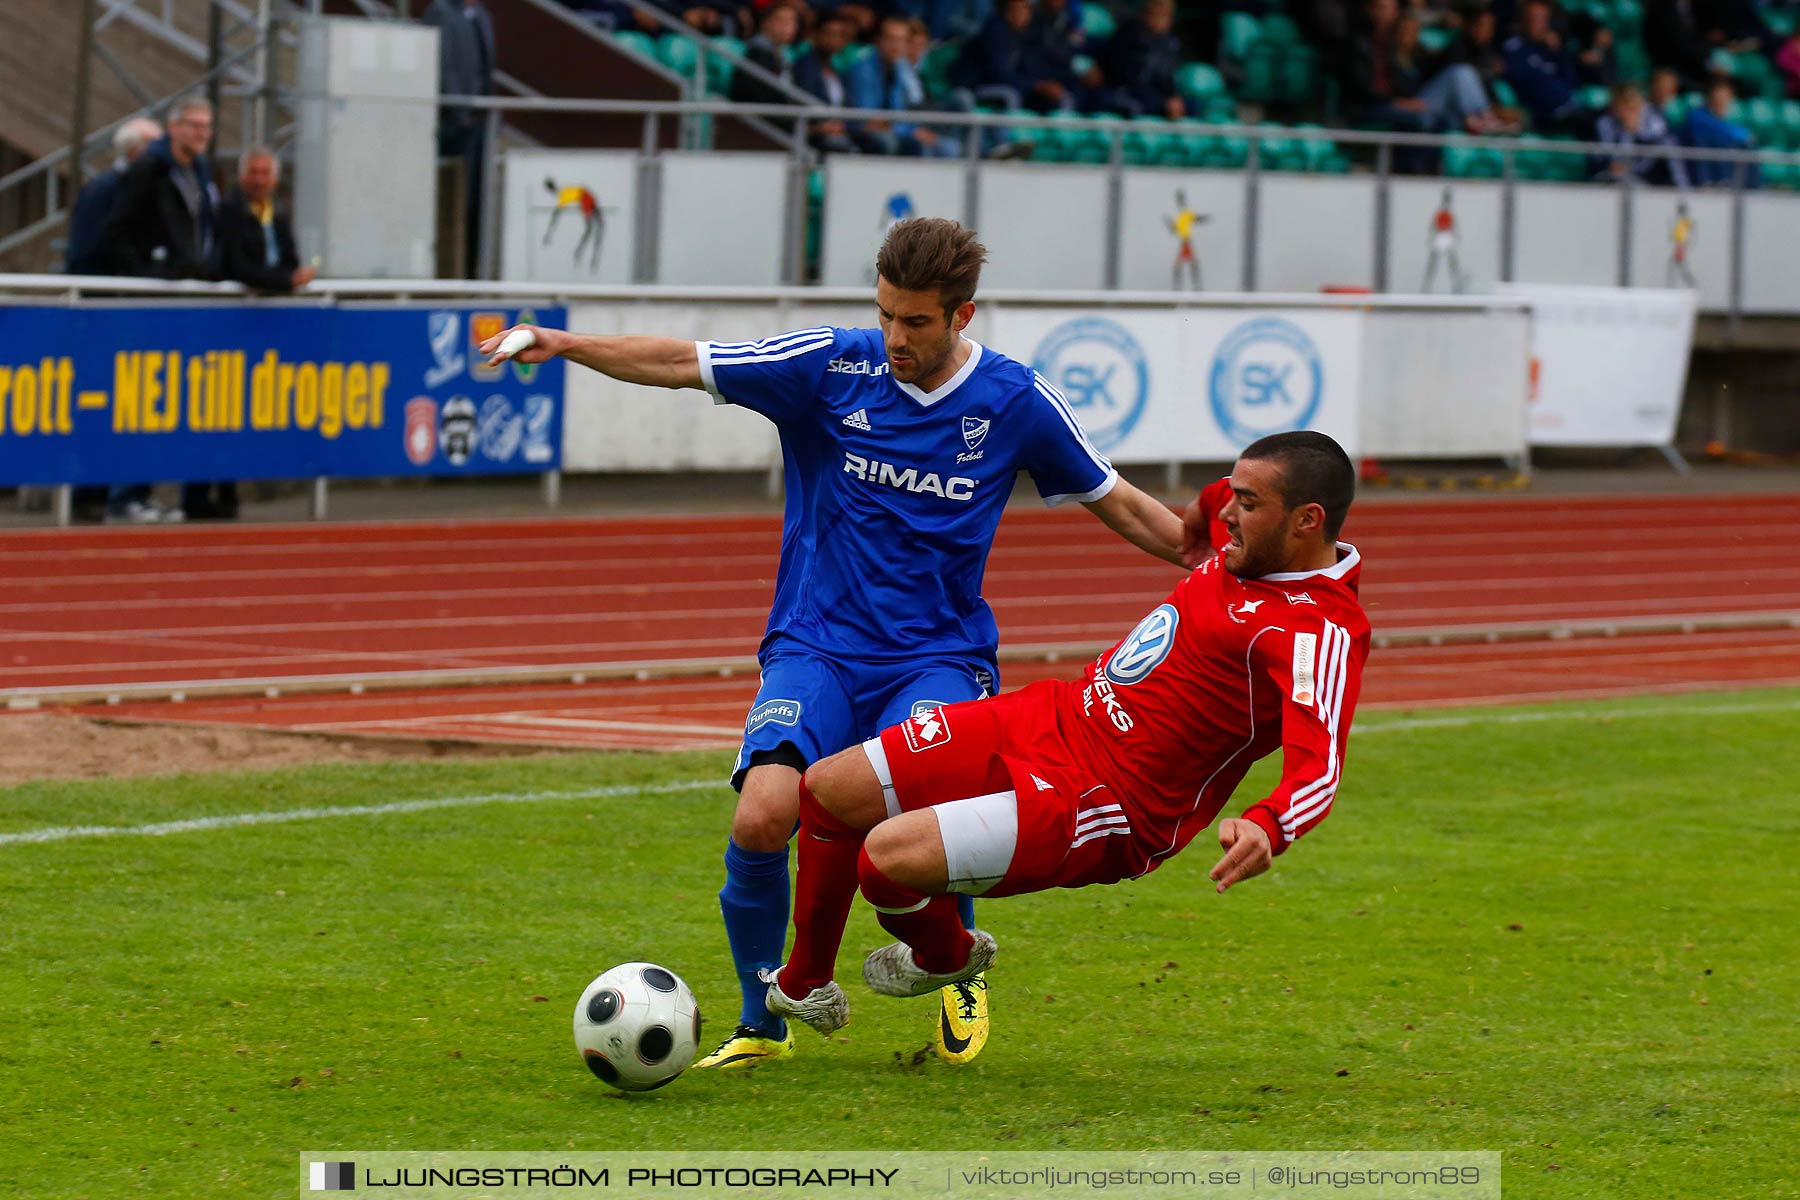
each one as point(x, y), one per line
point(1228, 153)
point(1238, 31)
point(1435, 37)
point(1097, 22)
point(934, 69)
point(1199, 82)
point(719, 69)
point(1280, 29)
point(1763, 118)
point(1147, 142)
point(679, 54)
point(1594, 97)
point(1627, 20)
point(1322, 154)
point(1261, 67)
point(1468, 160)
point(640, 44)
point(1751, 70)
point(1634, 60)
point(1299, 75)
point(1790, 123)
point(1277, 152)
point(1221, 110)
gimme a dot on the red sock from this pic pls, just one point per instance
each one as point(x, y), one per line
point(930, 925)
point(823, 889)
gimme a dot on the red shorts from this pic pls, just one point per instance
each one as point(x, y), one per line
point(1071, 831)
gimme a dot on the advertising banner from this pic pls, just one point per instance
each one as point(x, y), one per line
point(1164, 385)
point(264, 391)
point(1609, 364)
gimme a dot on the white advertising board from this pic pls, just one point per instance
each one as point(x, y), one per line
point(1158, 384)
point(695, 245)
point(1611, 363)
point(569, 216)
point(865, 196)
point(1150, 257)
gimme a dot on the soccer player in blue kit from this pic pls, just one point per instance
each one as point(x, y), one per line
point(900, 447)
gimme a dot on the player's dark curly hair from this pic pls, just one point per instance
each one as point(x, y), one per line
point(1314, 470)
point(923, 254)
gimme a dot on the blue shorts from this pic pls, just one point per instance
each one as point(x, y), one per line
point(819, 705)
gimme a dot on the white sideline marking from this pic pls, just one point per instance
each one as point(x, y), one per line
point(1576, 714)
point(65, 833)
point(197, 824)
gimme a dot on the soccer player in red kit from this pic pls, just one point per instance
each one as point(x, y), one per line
point(1101, 779)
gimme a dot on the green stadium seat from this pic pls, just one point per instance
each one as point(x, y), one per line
point(1221, 110)
point(1504, 93)
point(1280, 29)
point(1322, 154)
point(1790, 123)
point(719, 69)
point(1633, 59)
point(1750, 69)
point(1261, 67)
point(1277, 152)
point(679, 54)
point(1299, 74)
point(1097, 22)
point(1226, 152)
point(1147, 141)
point(1627, 20)
point(1763, 118)
point(1199, 82)
point(934, 70)
point(640, 44)
point(1594, 97)
point(1238, 31)
point(1467, 160)
point(1781, 20)
point(846, 58)
point(1098, 143)
point(1435, 37)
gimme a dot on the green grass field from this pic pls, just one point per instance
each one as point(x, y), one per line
point(1567, 935)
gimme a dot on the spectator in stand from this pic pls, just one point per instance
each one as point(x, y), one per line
point(1665, 89)
point(87, 254)
point(1596, 61)
point(1541, 72)
point(466, 56)
point(1140, 65)
point(164, 224)
point(814, 73)
point(1478, 45)
point(1008, 65)
point(775, 35)
point(886, 80)
point(1681, 34)
point(1711, 128)
point(1394, 85)
point(1788, 59)
point(1629, 123)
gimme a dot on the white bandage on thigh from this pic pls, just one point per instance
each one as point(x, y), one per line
point(980, 835)
point(878, 759)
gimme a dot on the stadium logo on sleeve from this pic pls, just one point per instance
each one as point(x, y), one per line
point(1267, 377)
point(1101, 370)
point(456, 429)
point(925, 730)
point(773, 712)
point(1145, 647)
point(421, 430)
point(444, 330)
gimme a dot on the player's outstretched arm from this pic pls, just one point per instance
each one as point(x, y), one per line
point(650, 361)
point(1142, 520)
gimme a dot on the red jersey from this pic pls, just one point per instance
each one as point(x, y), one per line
point(1222, 673)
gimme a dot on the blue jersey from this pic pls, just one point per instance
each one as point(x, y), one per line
point(893, 493)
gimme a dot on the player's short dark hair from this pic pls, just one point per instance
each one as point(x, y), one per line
point(1314, 470)
point(924, 254)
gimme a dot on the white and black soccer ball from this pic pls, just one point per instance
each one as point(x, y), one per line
point(637, 1026)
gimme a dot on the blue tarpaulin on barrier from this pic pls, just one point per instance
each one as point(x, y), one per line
point(175, 392)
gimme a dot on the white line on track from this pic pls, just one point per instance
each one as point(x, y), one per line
point(63, 833)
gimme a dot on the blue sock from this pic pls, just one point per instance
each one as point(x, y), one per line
point(755, 904)
point(965, 908)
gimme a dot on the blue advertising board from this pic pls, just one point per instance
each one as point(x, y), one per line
point(268, 391)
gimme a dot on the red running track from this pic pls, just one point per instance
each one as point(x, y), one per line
point(93, 609)
point(696, 713)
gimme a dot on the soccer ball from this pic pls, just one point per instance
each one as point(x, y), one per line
point(637, 1026)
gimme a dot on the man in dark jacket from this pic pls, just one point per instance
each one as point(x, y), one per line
point(814, 73)
point(467, 52)
point(255, 238)
point(1141, 61)
point(164, 221)
point(87, 223)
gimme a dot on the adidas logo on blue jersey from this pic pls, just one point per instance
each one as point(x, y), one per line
point(858, 420)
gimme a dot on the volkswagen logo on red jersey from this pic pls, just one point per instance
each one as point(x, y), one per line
point(1145, 647)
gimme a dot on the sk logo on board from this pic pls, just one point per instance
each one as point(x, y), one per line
point(444, 330)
